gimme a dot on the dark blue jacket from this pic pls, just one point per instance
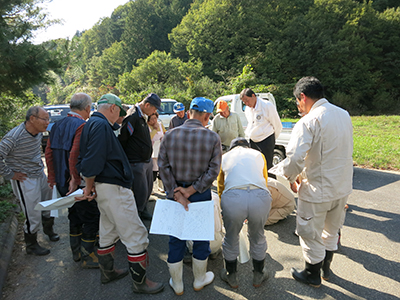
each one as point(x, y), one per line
point(61, 137)
point(101, 154)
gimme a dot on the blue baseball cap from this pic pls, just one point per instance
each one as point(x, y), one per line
point(178, 107)
point(202, 104)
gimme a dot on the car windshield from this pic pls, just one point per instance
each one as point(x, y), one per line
point(57, 113)
point(168, 108)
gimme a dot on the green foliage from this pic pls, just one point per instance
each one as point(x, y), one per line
point(6, 205)
point(161, 70)
point(218, 47)
point(6, 209)
point(6, 190)
point(147, 26)
point(13, 110)
point(22, 64)
point(220, 33)
point(353, 49)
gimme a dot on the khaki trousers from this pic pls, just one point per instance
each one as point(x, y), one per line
point(119, 218)
point(318, 225)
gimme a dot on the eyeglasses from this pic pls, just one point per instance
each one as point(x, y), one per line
point(44, 119)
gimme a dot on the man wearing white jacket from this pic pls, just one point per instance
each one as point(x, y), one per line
point(319, 166)
point(264, 124)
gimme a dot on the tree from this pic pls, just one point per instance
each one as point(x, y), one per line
point(158, 73)
point(148, 24)
point(23, 64)
point(228, 34)
point(105, 69)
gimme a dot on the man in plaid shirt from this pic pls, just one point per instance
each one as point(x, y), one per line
point(189, 162)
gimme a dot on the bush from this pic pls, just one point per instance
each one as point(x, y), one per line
point(6, 202)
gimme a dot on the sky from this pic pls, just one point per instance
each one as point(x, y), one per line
point(77, 15)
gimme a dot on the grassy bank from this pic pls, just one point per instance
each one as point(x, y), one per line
point(7, 206)
point(376, 141)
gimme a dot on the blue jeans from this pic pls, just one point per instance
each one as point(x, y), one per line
point(201, 249)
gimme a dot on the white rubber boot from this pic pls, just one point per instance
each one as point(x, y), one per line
point(176, 272)
point(201, 276)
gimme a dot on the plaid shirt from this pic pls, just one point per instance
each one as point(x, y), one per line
point(190, 153)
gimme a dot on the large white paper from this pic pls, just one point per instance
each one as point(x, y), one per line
point(171, 218)
point(59, 203)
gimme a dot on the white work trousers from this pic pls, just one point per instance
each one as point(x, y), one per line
point(318, 225)
point(30, 192)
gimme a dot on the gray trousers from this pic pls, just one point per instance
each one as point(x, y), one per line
point(142, 183)
point(238, 205)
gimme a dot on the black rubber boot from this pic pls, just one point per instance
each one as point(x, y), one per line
point(48, 229)
point(229, 274)
point(32, 246)
point(75, 243)
point(88, 252)
point(145, 215)
point(259, 272)
point(311, 275)
point(326, 265)
point(137, 267)
point(106, 264)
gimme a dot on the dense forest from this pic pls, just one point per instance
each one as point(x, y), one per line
point(185, 48)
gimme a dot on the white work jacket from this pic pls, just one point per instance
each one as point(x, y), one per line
point(262, 121)
point(320, 150)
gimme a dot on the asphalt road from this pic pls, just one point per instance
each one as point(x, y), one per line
point(367, 265)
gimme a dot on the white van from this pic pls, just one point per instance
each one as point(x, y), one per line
point(168, 111)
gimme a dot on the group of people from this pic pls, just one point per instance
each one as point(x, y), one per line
point(116, 174)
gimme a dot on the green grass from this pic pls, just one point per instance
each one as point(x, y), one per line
point(376, 141)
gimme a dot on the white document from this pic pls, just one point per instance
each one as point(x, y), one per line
point(59, 203)
point(171, 218)
point(56, 194)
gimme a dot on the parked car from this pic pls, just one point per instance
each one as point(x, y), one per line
point(236, 105)
point(56, 112)
point(168, 111)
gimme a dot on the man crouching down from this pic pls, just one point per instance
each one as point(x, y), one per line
point(106, 170)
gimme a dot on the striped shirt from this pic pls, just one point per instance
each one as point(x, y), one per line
point(189, 153)
point(20, 152)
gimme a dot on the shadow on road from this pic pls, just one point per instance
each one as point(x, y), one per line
point(358, 290)
point(372, 179)
point(284, 229)
point(380, 221)
point(373, 263)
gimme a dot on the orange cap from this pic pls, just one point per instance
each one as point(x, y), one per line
point(221, 106)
